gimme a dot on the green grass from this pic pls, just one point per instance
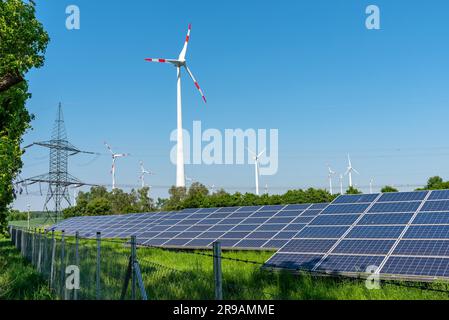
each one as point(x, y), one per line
point(171, 274)
point(35, 222)
point(18, 279)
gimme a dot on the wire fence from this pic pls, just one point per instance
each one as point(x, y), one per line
point(111, 269)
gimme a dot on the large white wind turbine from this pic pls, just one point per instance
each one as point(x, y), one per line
point(349, 171)
point(330, 174)
point(256, 158)
point(114, 157)
point(178, 63)
point(143, 172)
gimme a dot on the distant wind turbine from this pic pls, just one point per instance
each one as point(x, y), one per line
point(330, 174)
point(371, 185)
point(143, 172)
point(256, 158)
point(178, 63)
point(114, 157)
point(341, 184)
point(349, 171)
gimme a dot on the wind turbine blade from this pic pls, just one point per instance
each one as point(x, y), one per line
point(182, 55)
point(160, 60)
point(258, 156)
point(347, 171)
point(196, 83)
point(109, 148)
point(349, 161)
point(355, 171)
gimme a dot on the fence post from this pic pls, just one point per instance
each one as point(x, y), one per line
point(39, 257)
point(44, 252)
point(33, 236)
point(98, 265)
point(217, 271)
point(52, 267)
point(77, 261)
point(62, 264)
point(133, 267)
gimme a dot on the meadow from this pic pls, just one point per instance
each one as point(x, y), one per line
point(187, 274)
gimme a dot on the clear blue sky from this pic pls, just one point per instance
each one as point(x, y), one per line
point(308, 68)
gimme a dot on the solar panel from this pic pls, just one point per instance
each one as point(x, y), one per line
point(401, 235)
point(257, 227)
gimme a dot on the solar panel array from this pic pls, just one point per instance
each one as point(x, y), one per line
point(404, 235)
point(253, 227)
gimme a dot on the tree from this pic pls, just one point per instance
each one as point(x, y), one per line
point(352, 190)
point(387, 189)
point(22, 44)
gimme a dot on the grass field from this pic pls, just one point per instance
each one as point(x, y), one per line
point(170, 274)
point(35, 222)
point(18, 279)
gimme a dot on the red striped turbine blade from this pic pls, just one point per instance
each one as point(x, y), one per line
point(196, 83)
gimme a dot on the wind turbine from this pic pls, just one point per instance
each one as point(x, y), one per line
point(114, 157)
point(143, 172)
point(341, 184)
point(178, 63)
point(329, 175)
point(371, 185)
point(349, 171)
point(256, 158)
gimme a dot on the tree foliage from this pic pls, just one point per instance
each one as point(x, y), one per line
point(436, 183)
point(388, 189)
point(98, 201)
point(22, 45)
point(352, 190)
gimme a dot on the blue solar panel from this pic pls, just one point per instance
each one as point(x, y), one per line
point(245, 227)
point(422, 248)
point(308, 245)
point(322, 232)
point(294, 261)
point(249, 243)
point(385, 218)
point(297, 207)
point(349, 263)
point(364, 246)
point(432, 218)
point(272, 208)
point(417, 266)
point(271, 227)
point(228, 243)
point(437, 205)
point(211, 234)
point(439, 195)
point(335, 220)
point(310, 213)
point(395, 207)
point(356, 198)
point(235, 235)
point(295, 227)
point(262, 235)
point(319, 206)
point(403, 196)
point(428, 232)
point(177, 242)
point(375, 232)
point(283, 220)
point(275, 244)
point(346, 208)
point(285, 235)
point(200, 242)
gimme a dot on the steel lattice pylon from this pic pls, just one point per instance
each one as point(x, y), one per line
point(58, 177)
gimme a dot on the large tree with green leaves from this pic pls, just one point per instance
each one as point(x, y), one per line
point(23, 41)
